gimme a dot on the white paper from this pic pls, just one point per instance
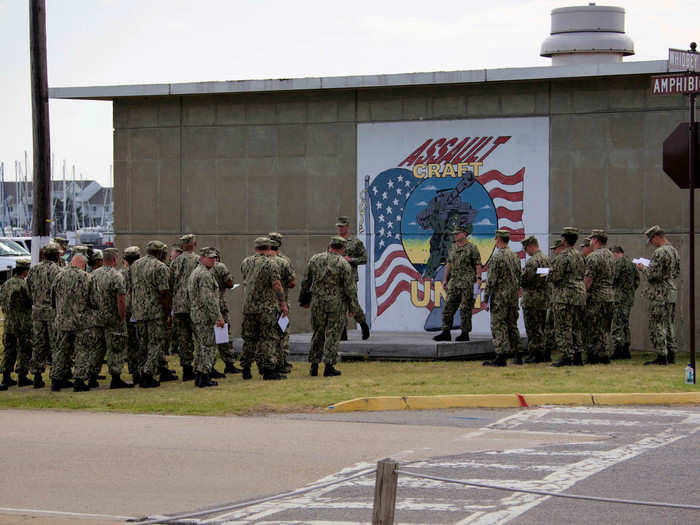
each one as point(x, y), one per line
point(235, 286)
point(132, 320)
point(221, 334)
point(542, 271)
point(283, 322)
point(642, 261)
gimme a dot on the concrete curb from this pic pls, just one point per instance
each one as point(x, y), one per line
point(371, 404)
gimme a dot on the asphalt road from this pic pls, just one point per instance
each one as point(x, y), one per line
point(61, 467)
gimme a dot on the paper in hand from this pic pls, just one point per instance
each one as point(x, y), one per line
point(542, 271)
point(283, 322)
point(235, 286)
point(221, 334)
point(642, 261)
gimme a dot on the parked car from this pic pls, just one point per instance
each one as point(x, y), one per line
point(10, 251)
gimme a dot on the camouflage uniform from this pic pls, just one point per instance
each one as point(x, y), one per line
point(463, 261)
point(40, 283)
point(288, 276)
point(502, 285)
point(223, 276)
point(203, 293)
point(134, 356)
point(182, 268)
point(249, 341)
point(625, 284)
point(355, 249)
point(600, 267)
point(535, 302)
point(106, 285)
point(149, 278)
point(663, 270)
point(333, 294)
point(16, 304)
point(568, 300)
point(261, 311)
point(71, 290)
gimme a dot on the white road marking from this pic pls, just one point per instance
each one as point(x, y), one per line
point(81, 515)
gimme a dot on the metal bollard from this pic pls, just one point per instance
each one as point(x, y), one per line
point(385, 492)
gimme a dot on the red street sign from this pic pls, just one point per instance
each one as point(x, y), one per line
point(676, 155)
point(680, 84)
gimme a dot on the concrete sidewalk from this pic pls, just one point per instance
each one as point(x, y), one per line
point(132, 465)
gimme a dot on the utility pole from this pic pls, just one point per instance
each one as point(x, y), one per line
point(41, 212)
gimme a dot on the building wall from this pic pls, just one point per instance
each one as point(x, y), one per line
point(232, 167)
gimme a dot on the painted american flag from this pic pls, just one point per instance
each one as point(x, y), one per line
point(388, 192)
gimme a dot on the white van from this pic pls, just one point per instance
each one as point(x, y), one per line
point(10, 251)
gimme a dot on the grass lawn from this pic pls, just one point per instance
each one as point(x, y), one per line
point(300, 392)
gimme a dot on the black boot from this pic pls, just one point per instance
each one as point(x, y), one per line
point(443, 336)
point(148, 381)
point(215, 374)
point(534, 357)
point(564, 361)
point(187, 373)
point(578, 360)
point(330, 371)
point(56, 385)
point(65, 383)
point(203, 381)
point(38, 381)
point(231, 369)
point(136, 378)
point(313, 372)
point(344, 335)
point(2, 387)
point(167, 375)
point(660, 360)
point(246, 373)
point(547, 357)
point(92, 382)
point(80, 386)
point(592, 359)
point(365, 330)
point(464, 336)
point(671, 358)
point(603, 360)
point(101, 377)
point(499, 361)
point(271, 374)
point(618, 353)
point(517, 359)
point(118, 383)
point(627, 354)
point(23, 380)
point(7, 379)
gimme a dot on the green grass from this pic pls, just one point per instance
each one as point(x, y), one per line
point(360, 379)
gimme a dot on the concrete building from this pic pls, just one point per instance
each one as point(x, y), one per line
point(232, 160)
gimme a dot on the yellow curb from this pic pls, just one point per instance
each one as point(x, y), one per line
point(372, 404)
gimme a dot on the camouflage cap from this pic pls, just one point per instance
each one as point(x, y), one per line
point(586, 242)
point(463, 228)
point(23, 264)
point(654, 230)
point(61, 241)
point(51, 247)
point(218, 253)
point(111, 252)
point(342, 221)
point(97, 255)
point(337, 240)
point(133, 250)
point(276, 236)
point(527, 241)
point(80, 249)
point(156, 245)
point(566, 230)
point(187, 238)
point(557, 244)
point(503, 234)
point(177, 247)
point(208, 252)
point(601, 235)
point(261, 242)
point(275, 243)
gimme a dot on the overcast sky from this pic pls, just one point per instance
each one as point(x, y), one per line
point(104, 42)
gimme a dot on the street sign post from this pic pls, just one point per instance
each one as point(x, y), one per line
point(684, 175)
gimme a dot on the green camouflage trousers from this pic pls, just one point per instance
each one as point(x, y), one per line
point(72, 345)
point(18, 349)
point(325, 341)
point(598, 326)
point(550, 337)
point(567, 327)
point(662, 327)
point(621, 324)
point(182, 328)
point(359, 318)
point(504, 328)
point(206, 348)
point(535, 320)
point(261, 340)
point(226, 352)
point(134, 356)
point(152, 341)
point(43, 344)
point(462, 298)
point(110, 341)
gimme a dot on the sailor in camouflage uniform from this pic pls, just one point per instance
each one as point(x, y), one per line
point(550, 340)
point(108, 298)
point(501, 295)
point(598, 278)
point(134, 356)
point(463, 269)
point(264, 305)
point(535, 299)
point(40, 283)
point(331, 284)
point(625, 285)
point(62, 249)
point(182, 268)
point(569, 299)
point(151, 309)
point(262, 245)
point(661, 275)
point(289, 281)
point(16, 303)
point(224, 280)
point(71, 290)
point(356, 255)
point(203, 293)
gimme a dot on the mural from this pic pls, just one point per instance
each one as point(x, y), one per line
point(417, 181)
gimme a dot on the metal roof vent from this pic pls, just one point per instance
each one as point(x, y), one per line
point(588, 34)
